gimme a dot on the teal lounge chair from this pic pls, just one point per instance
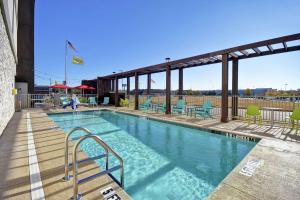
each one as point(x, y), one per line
point(179, 107)
point(204, 111)
point(146, 105)
point(161, 108)
point(92, 101)
point(64, 101)
point(105, 101)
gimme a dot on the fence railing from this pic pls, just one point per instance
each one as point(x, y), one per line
point(24, 101)
point(278, 108)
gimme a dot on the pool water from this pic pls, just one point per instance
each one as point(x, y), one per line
point(161, 160)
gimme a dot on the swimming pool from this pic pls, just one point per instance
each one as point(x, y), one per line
point(161, 160)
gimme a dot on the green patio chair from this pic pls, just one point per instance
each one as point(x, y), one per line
point(146, 105)
point(124, 102)
point(204, 111)
point(161, 107)
point(105, 101)
point(294, 117)
point(253, 112)
point(179, 107)
point(92, 101)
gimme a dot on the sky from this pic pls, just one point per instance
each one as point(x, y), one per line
point(119, 35)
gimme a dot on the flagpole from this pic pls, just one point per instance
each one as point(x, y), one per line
point(66, 51)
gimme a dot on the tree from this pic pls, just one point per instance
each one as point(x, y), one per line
point(247, 92)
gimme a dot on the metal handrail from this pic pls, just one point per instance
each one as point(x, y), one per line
point(67, 165)
point(107, 171)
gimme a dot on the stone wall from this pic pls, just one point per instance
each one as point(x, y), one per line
point(7, 77)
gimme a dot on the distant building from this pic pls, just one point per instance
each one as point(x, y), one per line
point(41, 89)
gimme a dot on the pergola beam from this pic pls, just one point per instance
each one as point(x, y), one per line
point(270, 48)
point(246, 53)
point(284, 45)
point(161, 67)
point(257, 50)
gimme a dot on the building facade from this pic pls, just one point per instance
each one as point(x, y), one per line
point(14, 42)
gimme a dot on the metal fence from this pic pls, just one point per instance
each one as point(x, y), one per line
point(272, 108)
point(24, 101)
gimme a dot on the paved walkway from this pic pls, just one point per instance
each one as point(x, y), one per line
point(49, 145)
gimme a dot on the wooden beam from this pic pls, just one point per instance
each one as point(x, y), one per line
point(149, 84)
point(136, 92)
point(161, 67)
point(224, 102)
point(257, 50)
point(128, 86)
point(246, 53)
point(180, 82)
point(284, 45)
point(168, 89)
point(234, 98)
point(117, 92)
point(234, 55)
point(270, 48)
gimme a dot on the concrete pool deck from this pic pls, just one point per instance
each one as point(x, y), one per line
point(277, 177)
point(49, 144)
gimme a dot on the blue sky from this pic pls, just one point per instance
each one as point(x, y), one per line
point(121, 35)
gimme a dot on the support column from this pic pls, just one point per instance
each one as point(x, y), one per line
point(168, 89)
point(128, 86)
point(180, 83)
point(117, 92)
point(149, 84)
point(113, 84)
point(136, 91)
point(234, 100)
point(224, 103)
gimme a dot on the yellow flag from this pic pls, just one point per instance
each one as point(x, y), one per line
point(77, 60)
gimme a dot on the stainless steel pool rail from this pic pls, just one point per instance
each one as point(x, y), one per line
point(67, 164)
point(108, 171)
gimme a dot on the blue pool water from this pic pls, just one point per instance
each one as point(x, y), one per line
point(162, 161)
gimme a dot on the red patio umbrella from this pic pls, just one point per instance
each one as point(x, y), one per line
point(84, 87)
point(59, 86)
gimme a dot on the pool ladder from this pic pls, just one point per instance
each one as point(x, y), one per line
point(75, 162)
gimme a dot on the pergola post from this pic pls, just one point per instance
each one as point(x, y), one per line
point(168, 89)
point(136, 91)
point(180, 83)
point(128, 86)
point(234, 100)
point(224, 102)
point(113, 84)
point(149, 84)
point(117, 92)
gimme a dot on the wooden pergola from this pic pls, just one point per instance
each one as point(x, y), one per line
point(234, 54)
